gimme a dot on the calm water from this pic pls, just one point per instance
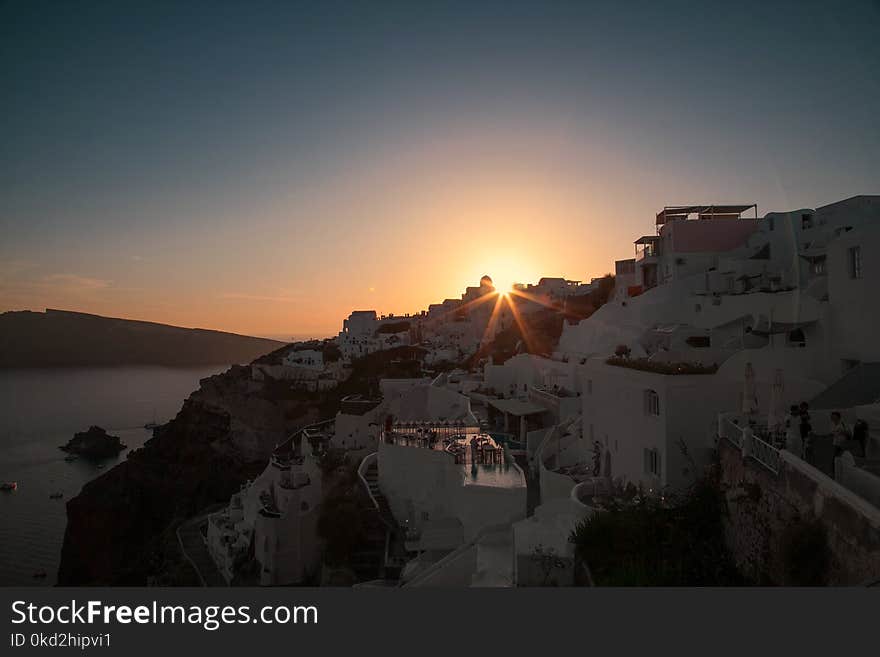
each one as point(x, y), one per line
point(42, 409)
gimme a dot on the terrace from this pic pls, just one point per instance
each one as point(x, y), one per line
point(481, 457)
point(765, 444)
point(467, 445)
point(704, 212)
point(647, 248)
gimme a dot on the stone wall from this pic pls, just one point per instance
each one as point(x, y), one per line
point(766, 510)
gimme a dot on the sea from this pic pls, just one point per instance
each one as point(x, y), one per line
point(41, 409)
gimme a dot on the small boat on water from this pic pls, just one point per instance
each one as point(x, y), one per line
point(9, 485)
point(152, 425)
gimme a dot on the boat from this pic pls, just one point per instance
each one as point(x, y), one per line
point(152, 425)
point(9, 485)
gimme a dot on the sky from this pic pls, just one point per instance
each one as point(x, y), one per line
point(265, 168)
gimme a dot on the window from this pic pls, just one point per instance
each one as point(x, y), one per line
point(806, 221)
point(699, 341)
point(771, 222)
point(589, 386)
point(652, 403)
point(855, 262)
point(797, 337)
point(652, 461)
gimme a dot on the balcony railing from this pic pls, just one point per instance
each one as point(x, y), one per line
point(737, 430)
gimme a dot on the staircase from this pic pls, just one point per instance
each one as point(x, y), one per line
point(371, 478)
point(395, 555)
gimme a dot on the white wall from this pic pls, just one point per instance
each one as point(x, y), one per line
point(614, 415)
point(854, 319)
point(419, 481)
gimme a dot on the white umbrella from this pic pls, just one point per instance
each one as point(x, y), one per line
point(776, 412)
point(750, 394)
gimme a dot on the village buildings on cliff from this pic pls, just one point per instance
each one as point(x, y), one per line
point(716, 333)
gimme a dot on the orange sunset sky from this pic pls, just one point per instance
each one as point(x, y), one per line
point(266, 170)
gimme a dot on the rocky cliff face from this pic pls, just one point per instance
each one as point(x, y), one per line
point(223, 435)
point(120, 528)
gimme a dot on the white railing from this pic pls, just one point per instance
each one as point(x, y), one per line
point(367, 461)
point(733, 428)
point(764, 453)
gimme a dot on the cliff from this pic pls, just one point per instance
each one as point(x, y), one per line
point(60, 338)
point(223, 435)
point(120, 528)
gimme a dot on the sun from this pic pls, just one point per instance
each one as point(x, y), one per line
point(502, 284)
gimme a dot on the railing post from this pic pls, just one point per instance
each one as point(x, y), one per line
point(747, 442)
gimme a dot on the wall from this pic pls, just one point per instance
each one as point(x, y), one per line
point(862, 482)
point(356, 431)
point(854, 322)
point(706, 236)
point(614, 415)
point(419, 481)
point(553, 486)
point(763, 505)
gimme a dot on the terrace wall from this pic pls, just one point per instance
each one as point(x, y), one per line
point(763, 505)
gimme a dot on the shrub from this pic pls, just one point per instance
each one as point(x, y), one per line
point(646, 542)
point(806, 554)
point(661, 367)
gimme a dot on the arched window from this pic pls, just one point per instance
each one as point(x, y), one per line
point(797, 337)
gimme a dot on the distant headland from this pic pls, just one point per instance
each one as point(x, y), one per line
point(61, 338)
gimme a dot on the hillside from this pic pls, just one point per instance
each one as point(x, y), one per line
point(60, 338)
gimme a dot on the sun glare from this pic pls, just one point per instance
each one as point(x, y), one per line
point(503, 284)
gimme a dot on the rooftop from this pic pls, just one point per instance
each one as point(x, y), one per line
point(516, 406)
point(673, 212)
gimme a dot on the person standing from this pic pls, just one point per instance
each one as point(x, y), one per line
point(840, 433)
point(806, 429)
point(793, 442)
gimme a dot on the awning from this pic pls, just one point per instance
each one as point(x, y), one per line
point(682, 211)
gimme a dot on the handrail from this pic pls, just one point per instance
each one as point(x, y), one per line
point(362, 468)
point(287, 442)
point(744, 438)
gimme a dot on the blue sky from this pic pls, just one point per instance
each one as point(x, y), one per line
point(264, 167)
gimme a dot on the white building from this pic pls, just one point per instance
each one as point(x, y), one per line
point(784, 293)
point(277, 513)
point(312, 359)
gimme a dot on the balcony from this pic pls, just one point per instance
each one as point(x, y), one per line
point(647, 249)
